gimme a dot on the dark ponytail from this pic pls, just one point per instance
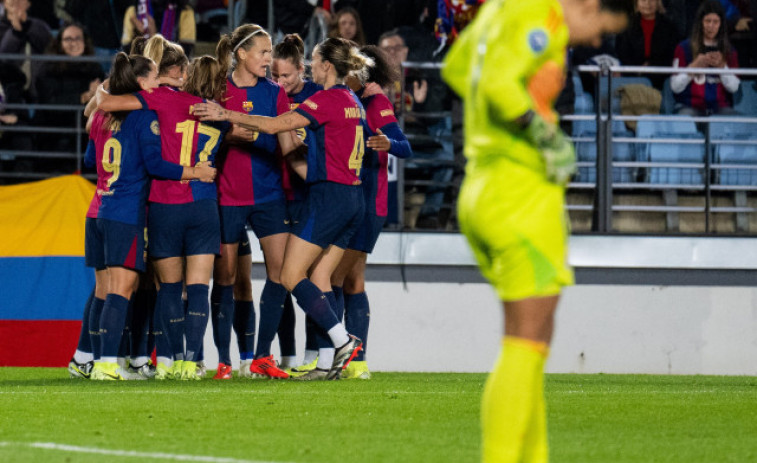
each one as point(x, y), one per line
point(123, 77)
point(291, 48)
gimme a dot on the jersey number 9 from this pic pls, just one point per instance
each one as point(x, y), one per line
point(112, 160)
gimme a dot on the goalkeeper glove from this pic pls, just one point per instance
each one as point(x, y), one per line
point(557, 151)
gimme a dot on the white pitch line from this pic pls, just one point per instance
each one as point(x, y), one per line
point(244, 391)
point(129, 453)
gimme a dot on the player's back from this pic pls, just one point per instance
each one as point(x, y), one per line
point(184, 141)
point(509, 60)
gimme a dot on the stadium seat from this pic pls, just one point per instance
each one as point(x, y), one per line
point(587, 152)
point(584, 103)
point(668, 100)
point(737, 154)
point(745, 99)
point(670, 152)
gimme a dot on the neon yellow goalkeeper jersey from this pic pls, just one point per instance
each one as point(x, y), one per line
point(510, 59)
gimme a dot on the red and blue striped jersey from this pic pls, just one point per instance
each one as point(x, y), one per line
point(338, 120)
point(184, 140)
point(295, 187)
point(124, 158)
point(707, 92)
point(379, 113)
point(251, 174)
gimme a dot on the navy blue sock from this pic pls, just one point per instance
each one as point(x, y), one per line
point(172, 316)
point(244, 326)
point(222, 309)
point(94, 325)
point(140, 322)
point(85, 343)
point(357, 319)
point(112, 324)
point(198, 312)
point(311, 338)
point(315, 304)
point(338, 302)
point(271, 307)
point(287, 342)
point(124, 349)
point(160, 329)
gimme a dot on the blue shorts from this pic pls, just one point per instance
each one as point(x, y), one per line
point(295, 211)
point(189, 229)
point(244, 248)
point(108, 243)
point(265, 219)
point(364, 239)
point(332, 214)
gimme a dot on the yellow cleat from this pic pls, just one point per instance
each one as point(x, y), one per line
point(302, 369)
point(163, 371)
point(356, 370)
point(189, 371)
point(106, 371)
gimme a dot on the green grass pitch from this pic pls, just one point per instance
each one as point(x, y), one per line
point(395, 417)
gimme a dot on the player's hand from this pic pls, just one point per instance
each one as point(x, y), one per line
point(204, 172)
point(210, 112)
point(241, 134)
point(100, 95)
point(379, 142)
point(371, 89)
point(557, 151)
point(420, 91)
point(176, 82)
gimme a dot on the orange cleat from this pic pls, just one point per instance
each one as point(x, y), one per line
point(265, 367)
point(224, 371)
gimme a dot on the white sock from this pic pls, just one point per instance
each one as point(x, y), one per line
point(121, 362)
point(165, 361)
point(138, 362)
point(108, 360)
point(325, 358)
point(84, 357)
point(338, 335)
point(310, 355)
point(289, 361)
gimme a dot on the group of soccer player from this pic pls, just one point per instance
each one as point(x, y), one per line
point(193, 153)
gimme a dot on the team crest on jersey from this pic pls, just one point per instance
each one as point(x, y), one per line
point(301, 133)
point(155, 127)
point(538, 40)
point(387, 113)
point(247, 106)
point(311, 105)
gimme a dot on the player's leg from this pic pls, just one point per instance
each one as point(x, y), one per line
point(271, 306)
point(199, 270)
point(101, 292)
point(143, 306)
point(245, 323)
point(82, 361)
point(286, 335)
point(357, 314)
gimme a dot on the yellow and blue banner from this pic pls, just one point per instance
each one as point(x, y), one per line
point(44, 283)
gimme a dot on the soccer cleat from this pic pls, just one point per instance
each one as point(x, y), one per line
point(316, 374)
point(356, 370)
point(344, 355)
point(163, 372)
point(176, 369)
point(202, 370)
point(146, 371)
point(107, 371)
point(80, 370)
point(224, 371)
point(190, 371)
point(265, 367)
point(302, 369)
point(244, 368)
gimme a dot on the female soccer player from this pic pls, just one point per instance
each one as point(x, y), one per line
point(509, 65)
point(348, 280)
point(183, 217)
point(288, 70)
point(335, 201)
point(125, 147)
point(250, 191)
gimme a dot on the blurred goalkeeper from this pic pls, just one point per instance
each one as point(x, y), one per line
point(508, 65)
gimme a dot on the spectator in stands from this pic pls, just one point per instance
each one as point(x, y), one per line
point(293, 16)
point(431, 137)
point(66, 83)
point(25, 35)
point(649, 40)
point(742, 33)
point(708, 47)
point(383, 15)
point(347, 25)
point(102, 19)
point(173, 19)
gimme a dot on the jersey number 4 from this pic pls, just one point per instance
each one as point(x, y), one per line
point(187, 131)
point(358, 151)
